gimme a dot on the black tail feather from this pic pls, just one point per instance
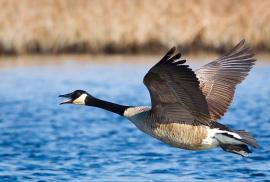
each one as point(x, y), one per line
point(242, 149)
point(247, 138)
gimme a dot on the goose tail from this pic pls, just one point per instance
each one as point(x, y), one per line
point(236, 142)
point(247, 138)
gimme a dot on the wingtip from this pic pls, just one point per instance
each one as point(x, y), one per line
point(172, 50)
point(182, 61)
point(175, 57)
point(242, 41)
point(240, 45)
point(168, 55)
point(239, 49)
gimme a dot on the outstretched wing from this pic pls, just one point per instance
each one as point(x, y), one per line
point(219, 78)
point(175, 91)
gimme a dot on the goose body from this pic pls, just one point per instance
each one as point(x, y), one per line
point(176, 134)
point(187, 105)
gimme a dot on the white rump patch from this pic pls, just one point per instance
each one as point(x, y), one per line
point(210, 140)
point(235, 135)
point(215, 135)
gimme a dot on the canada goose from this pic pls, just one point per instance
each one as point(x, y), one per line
point(186, 105)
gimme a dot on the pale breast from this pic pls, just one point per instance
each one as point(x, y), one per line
point(177, 134)
point(180, 134)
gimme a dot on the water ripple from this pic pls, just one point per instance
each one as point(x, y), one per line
point(41, 141)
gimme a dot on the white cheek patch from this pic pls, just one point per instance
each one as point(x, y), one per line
point(80, 100)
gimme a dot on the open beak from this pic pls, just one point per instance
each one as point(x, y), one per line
point(68, 99)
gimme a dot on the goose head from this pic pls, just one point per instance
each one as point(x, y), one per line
point(76, 97)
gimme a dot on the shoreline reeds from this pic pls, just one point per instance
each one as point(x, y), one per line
point(123, 26)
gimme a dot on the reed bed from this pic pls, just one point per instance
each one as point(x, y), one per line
point(126, 26)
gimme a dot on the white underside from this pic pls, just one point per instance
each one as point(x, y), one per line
point(215, 136)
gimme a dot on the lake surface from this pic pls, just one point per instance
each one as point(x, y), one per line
point(42, 141)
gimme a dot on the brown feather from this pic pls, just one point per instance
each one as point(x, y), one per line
point(175, 92)
point(219, 78)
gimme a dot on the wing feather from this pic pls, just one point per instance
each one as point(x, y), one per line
point(219, 78)
point(174, 91)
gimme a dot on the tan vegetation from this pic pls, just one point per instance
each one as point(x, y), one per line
point(53, 26)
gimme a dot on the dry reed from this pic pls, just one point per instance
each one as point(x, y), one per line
point(55, 26)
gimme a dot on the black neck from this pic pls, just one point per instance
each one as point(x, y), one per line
point(109, 106)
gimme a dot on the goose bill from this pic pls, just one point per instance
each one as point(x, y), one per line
point(68, 99)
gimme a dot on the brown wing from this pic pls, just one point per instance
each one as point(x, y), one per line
point(219, 78)
point(175, 92)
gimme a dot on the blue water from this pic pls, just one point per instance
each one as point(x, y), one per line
point(42, 141)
